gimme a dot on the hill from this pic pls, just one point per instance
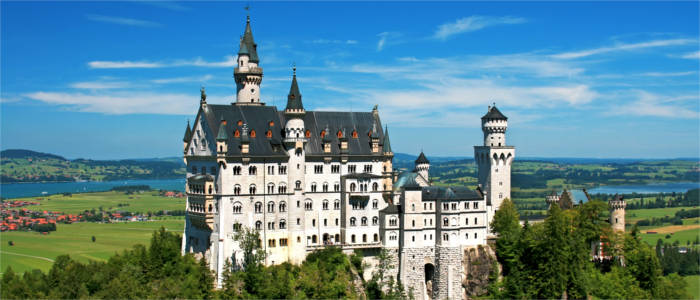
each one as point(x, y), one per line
point(29, 166)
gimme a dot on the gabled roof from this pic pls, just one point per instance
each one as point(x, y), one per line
point(248, 42)
point(422, 159)
point(294, 96)
point(494, 114)
point(386, 143)
point(188, 133)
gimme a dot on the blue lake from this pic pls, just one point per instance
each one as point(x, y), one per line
point(17, 190)
point(646, 188)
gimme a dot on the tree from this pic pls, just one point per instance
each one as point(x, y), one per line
point(93, 239)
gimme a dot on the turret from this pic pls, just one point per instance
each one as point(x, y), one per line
point(188, 136)
point(617, 213)
point(423, 166)
point(374, 138)
point(294, 128)
point(222, 144)
point(386, 144)
point(494, 125)
point(248, 74)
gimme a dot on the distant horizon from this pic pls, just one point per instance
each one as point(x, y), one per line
point(116, 80)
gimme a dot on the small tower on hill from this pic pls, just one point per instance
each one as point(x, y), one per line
point(617, 213)
point(423, 166)
point(248, 74)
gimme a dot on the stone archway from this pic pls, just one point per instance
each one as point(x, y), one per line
point(429, 270)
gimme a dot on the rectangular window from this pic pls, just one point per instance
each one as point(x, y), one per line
point(352, 169)
point(282, 170)
point(335, 169)
point(298, 221)
point(318, 169)
point(476, 205)
point(283, 242)
point(270, 170)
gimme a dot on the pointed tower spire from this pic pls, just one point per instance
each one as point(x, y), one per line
point(387, 144)
point(294, 104)
point(248, 74)
point(188, 133)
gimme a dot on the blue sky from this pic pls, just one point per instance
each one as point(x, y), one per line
point(109, 80)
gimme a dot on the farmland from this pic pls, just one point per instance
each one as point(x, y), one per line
point(149, 201)
point(32, 250)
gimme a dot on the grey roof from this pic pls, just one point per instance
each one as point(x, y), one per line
point(450, 193)
point(244, 50)
point(406, 179)
point(391, 209)
point(386, 144)
point(294, 96)
point(422, 159)
point(248, 42)
point(494, 114)
point(188, 133)
point(362, 176)
point(200, 178)
point(222, 136)
point(258, 118)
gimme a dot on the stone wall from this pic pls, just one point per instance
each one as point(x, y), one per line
point(477, 265)
point(448, 273)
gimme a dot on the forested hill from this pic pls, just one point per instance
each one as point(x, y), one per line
point(30, 166)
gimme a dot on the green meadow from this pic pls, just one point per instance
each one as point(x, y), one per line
point(634, 215)
point(693, 286)
point(77, 203)
point(32, 250)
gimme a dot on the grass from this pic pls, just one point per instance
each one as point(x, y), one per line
point(32, 250)
point(634, 215)
point(77, 203)
point(693, 288)
point(681, 236)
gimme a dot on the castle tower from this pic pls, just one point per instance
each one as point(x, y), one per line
point(552, 198)
point(387, 165)
point(187, 137)
point(248, 74)
point(295, 141)
point(617, 213)
point(494, 159)
point(423, 166)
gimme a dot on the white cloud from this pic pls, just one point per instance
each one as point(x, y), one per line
point(122, 21)
point(387, 38)
point(624, 47)
point(229, 61)
point(183, 79)
point(325, 41)
point(656, 105)
point(99, 85)
point(668, 74)
point(473, 23)
point(122, 102)
point(691, 55)
point(382, 40)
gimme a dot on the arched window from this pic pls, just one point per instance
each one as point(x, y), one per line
point(210, 207)
point(354, 134)
point(413, 207)
point(353, 221)
point(325, 186)
point(210, 189)
point(445, 222)
point(375, 187)
point(283, 224)
point(375, 221)
point(353, 187)
point(375, 204)
point(339, 134)
point(237, 133)
point(252, 170)
point(237, 226)
point(237, 170)
point(298, 185)
point(364, 238)
point(268, 134)
point(445, 237)
point(258, 225)
point(352, 238)
point(313, 187)
point(271, 123)
point(270, 207)
point(252, 133)
point(258, 207)
point(392, 221)
point(240, 123)
point(325, 204)
point(270, 188)
point(308, 204)
point(364, 221)
point(251, 189)
point(282, 188)
point(307, 134)
point(336, 204)
point(376, 238)
point(237, 189)
point(237, 208)
point(283, 206)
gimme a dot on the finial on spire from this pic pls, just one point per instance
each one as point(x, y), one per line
point(203, 94)
point(294, 69)
point(247, 10)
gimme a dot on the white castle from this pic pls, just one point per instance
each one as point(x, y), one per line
point(312, 179)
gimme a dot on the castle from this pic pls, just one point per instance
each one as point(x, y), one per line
point(311, 179)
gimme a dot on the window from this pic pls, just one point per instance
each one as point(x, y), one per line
point(413, 223)
point(445, 237)
point(413, 207)
point(336, 187)
point(325, 186)
point(335, 169)
point(500, 195)
point(258, 225)
point(445, 206)
point(268, 133)
point(354, 134)
point(271, 225)
point(375, 204)
point(466, 235)
point(237, 133)
point(237, 227)
point(237, 170)
point(251, 189)
point(270, 207)
point(475, 221)
point(308, 205)
point(307, 134)
point(352, 168)
point(368, 169)
point(252, 132)
point(252, 170)
point(271, 243)
point(392, 236)
point(237, 208)
point(298, 185)
point(364, 238)
point(270, 188)
point(282, 188)
point(318, 169)
point(353, 187)
point(325, 222)
point(283, 224)
point(204, 171)
point(237, 189)
point(375, 221)
point(466, 205)
point(258, 207)
point(500, 183)
point(445, 222)
point(375, 187)
point(353, 221)
point(313, 187)
point(454, 206)
point(270, 170)
point(298, 221)
point(476, 205)
point(392, 221)
point(336, 204)
point(352, 238)
point(282, 170)
point(325, 204)
point(283, 242)
point(337, 222)
point(475, 236)
point(376, 238)
point(466, 221)
point(364, 221)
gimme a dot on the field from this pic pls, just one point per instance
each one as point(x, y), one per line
point(32, 250)
point(77, 203)
point(683, 236)
point(693, 286)
point(634, 215)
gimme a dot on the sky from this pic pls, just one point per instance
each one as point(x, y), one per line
point(115, 80)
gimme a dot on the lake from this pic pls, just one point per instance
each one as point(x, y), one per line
point(18, 190)
point(645, 188)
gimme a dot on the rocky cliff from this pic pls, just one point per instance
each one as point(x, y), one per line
point(477, 264)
